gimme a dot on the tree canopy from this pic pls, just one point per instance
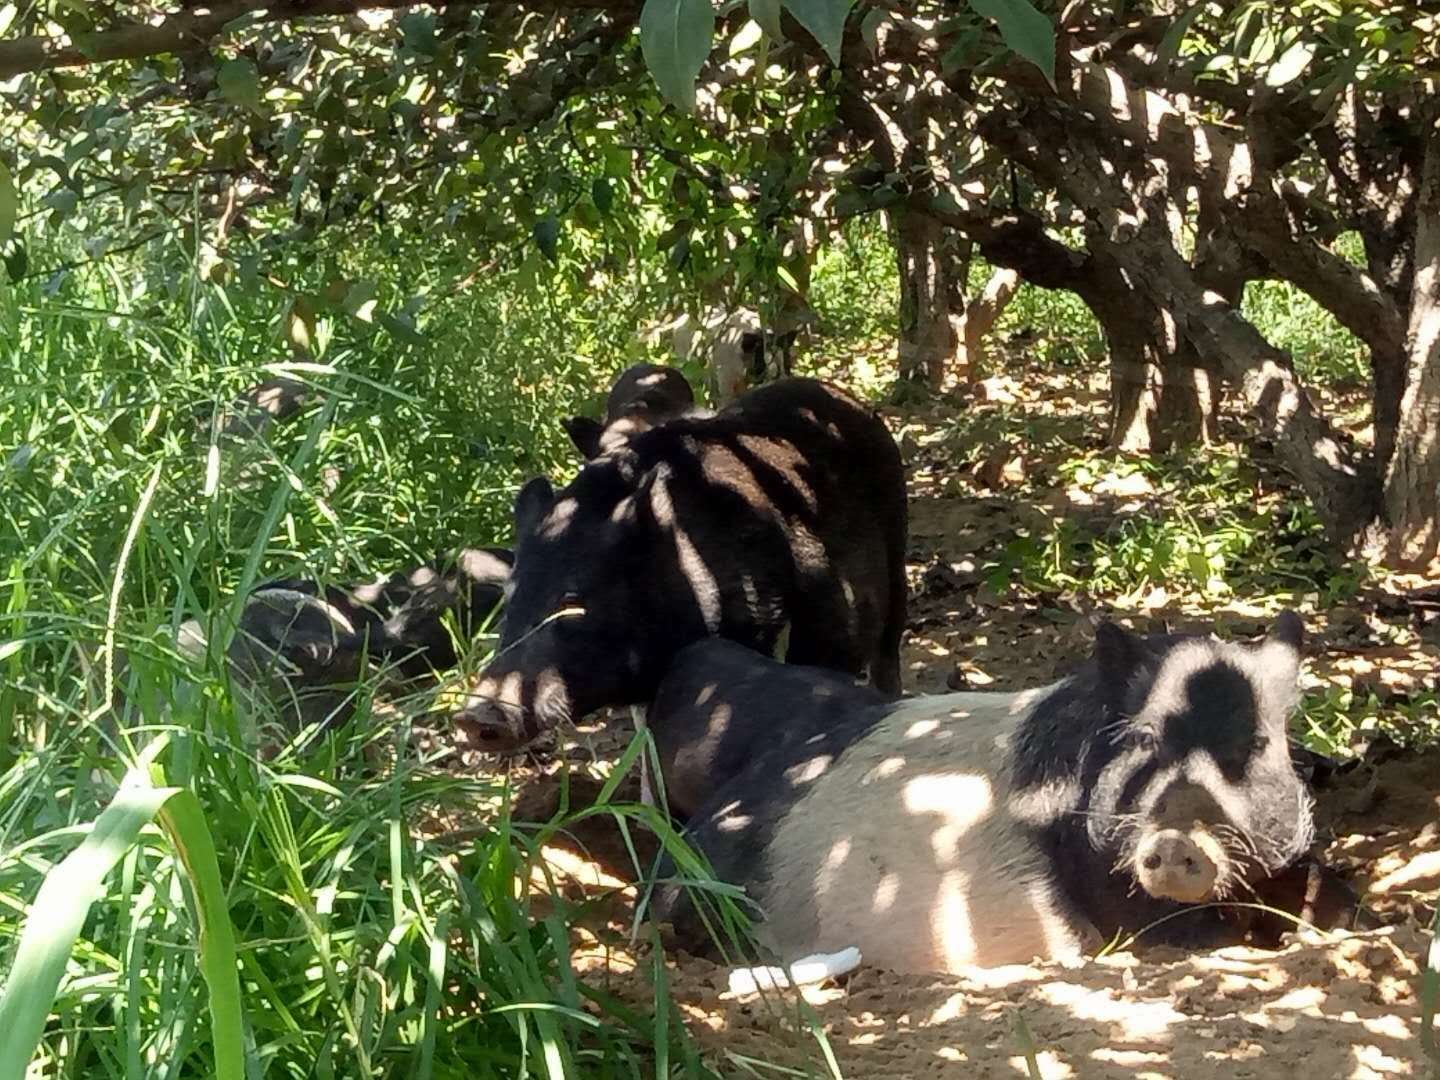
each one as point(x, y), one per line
point(1151, 158)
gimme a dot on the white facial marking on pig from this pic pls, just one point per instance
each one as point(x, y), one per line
point(925, 826)
point(734, 822)
point(1270, 671)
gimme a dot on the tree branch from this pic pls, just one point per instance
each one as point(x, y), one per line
point(187, 30)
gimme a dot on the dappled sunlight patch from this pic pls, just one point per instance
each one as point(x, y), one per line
point(1286, 1013)
point(1050, 1065)
point(1129, 1021)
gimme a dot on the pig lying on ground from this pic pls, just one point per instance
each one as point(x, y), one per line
point(993, 828)
point(785, 512)
point(717, 709)
point(736, 350)
point(300, 646)
point(252, 415)
point(643, 396)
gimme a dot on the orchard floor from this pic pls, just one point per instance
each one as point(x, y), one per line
point(983, 467)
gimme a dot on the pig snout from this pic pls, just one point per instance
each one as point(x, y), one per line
point(1175, 865)
point(505, 712)
point(491, 727)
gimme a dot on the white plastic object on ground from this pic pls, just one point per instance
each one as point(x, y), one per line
point(817, 967)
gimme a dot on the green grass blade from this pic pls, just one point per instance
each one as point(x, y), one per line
point(184, 822)
point(63, 901)
point(1430, 993)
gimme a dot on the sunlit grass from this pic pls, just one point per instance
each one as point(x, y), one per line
point(369, 942)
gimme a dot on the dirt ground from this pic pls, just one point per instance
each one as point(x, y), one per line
point(1323, 1006)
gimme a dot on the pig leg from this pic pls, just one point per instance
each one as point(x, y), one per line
point(647, 795)
point(819, 637)
point(885, 662)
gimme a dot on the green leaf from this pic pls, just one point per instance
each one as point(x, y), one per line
point(1199, 567)
point(1175, 36)
point(1026, 31)
point(767, 14)
point(870, 29)
point(418, 31)
point(746, 38)
point(602, 194)
point(963, 53)
point(360, 300)
point(56, 917)
point(401, 329)
point(547, 236)
point(679, 252)
point(1430, 992)
point(825, 19)
point(239, 83)
point(1292, 63)
point(675, 37)
point(9, 203)
point(17, 261)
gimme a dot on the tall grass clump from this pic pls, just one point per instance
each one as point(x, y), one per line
point(1324, 351)
point(178, 897)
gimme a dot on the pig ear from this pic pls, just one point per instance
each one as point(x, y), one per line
point(1279, 656)
point(1288, 631)
point(585, 434)
point(532, 504)
point(1118, 652)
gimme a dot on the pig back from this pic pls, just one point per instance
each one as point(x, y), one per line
point(722, 706)
point(906, 843)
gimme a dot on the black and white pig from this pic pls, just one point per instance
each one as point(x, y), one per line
point(299, 645)
point(783, 514)
point(734, 347)
point(993, 828)
point(643, 396)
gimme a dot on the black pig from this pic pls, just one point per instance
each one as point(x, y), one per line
point(718, 703)
point(787, 510)
point(993, 828)
point(644, 395)
point(301, 645)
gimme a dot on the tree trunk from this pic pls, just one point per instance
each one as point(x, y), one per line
point(1160, 394)
point(1412, 480)
point(928, 342)
point(980, 316)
